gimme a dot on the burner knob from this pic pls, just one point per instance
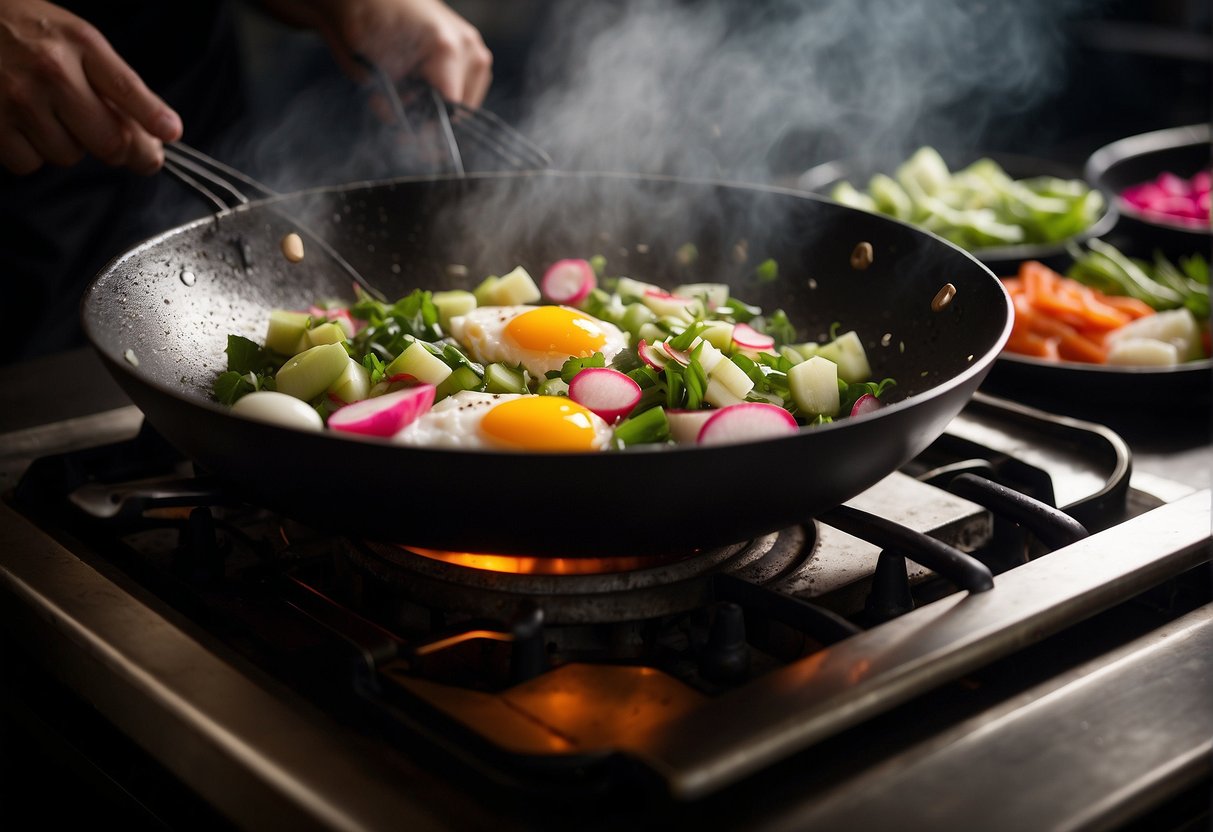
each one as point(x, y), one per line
point(726, 656)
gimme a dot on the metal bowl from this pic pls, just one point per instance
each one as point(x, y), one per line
point(1136, 159)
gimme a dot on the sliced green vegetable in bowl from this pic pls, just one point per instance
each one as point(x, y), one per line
point(1002, 209)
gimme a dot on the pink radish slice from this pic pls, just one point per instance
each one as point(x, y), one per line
point(683, 358)
point(746, 422)
point(650, 355)
point(607, 392)
point(686, 424)
point(866, 404)
point(384, 415)
point(568, 281)
point(748, 338)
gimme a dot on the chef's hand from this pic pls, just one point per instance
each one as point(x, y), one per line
point(64, 93)
point(424, 38)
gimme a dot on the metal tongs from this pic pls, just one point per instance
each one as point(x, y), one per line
point(419, 108)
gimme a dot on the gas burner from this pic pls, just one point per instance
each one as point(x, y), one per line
point(578, 590)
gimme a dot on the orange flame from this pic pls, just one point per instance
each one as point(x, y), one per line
point(523, 565)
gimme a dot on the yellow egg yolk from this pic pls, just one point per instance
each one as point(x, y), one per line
point(554, 329)
point(540, 423)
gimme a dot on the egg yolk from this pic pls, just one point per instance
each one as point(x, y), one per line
point(554, 329)
point(540, 423)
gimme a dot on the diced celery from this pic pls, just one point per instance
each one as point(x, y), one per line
point(353, 385)
point(890, 197)
point(814, 386)
point(310, 373)
point(326, 333)
point(719, 334)
point(462, 378)
point(285, 332)
point(553, 387)
point(718, 395)
point(419, 363)
point(848, 353)
point(635, 315)
point(847, 194)
point(517, 287)
point(484, 293)
point(629, 289)
point(499, 378)
point(452, 303)
point(714, 294)
point(735, 379)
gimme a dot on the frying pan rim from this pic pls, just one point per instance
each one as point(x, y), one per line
point(980, 364)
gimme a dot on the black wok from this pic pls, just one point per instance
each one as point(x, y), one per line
point(160, 314)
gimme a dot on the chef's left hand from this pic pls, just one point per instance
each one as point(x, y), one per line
point(425, 38)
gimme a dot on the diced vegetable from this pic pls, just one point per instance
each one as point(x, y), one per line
point(867, 403)
point(568, 282)
point(499, 378)
point(278, 409)
point(310, 373)
point(978, 206)
point(814, 386)
point(384, 415)
point(1143, 352)
point(745, 337)
point(451, 304)
point(734, 379)
point(746, 422)
point(848, 353)
point(419, 363)
point(1176, 327)
point(1172, 197)
point(326, 333)
point(655, 357)
point(286, 331)
point(354, 384)
point(607, 392)
point(461, 378)
point(686, 424)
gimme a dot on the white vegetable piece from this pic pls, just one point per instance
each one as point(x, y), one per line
point(686, 424)
point(1143, 352)
point(286, 330)
point(278, 409)
point(714, 294)
point(451, 304)
point(848, 353)
point(718, 395)
point(515, 289)
point(814, 386)
point(733, 378)
point(1174, 326)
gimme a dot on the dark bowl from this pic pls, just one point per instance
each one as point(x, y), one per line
point(1130, 161)
point(1002, 260)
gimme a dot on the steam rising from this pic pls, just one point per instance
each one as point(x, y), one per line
point(711, 88)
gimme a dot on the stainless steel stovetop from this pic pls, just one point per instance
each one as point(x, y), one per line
point(1081, 679)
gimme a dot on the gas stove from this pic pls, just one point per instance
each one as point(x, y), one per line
point(945, 644)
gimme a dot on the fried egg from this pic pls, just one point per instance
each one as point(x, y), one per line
point(540, 338)
point(508, 421)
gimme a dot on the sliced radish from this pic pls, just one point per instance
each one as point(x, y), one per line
point(683, 358)
point(654, 357)
point(663, 303)
point(607, 392)
point(384, 415)
point(568, 281)
point(866, 404)
point(746, 422)
point(686, 424)
point(747, 338)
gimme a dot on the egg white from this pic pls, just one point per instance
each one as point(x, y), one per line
point(455, 421)
point(482, 332)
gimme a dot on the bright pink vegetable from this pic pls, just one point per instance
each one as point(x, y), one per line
point(683, 358)
point(568, 281)
point(384, 415)
point(653, 356)
point(748, 338)
point(1172, 197)
point(746, 422)
point(609, 393)
point(866, 404)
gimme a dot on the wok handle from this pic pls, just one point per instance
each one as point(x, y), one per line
point(961, 569)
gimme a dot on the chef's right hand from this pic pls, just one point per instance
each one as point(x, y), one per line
point(65, 92)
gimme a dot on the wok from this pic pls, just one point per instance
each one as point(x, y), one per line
point(159, 316)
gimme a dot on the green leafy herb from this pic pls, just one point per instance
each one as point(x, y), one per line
point(647, 427)
point(573, 366)
point(767, 271)
point(245, 356)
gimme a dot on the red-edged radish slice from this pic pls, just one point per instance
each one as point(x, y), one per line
point(654, 357)
point(686, 424)
point(663, 303)
point(746, 422)
point(748, 338)
point(568, 281)
point(607, 392)
point(866, 404)
point(683, 358)
point(384, 415)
